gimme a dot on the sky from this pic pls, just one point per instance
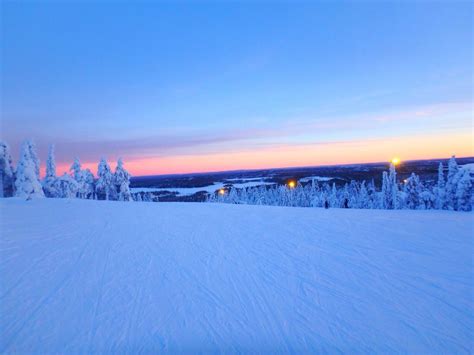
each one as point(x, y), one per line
point(180, 87)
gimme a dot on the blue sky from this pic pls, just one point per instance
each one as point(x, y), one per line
point(165, 81)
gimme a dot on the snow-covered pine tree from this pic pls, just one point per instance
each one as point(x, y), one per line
point(353, 194)
point(413, 191)
point(34, 157)
point(68, 187)
point(27, 184)
point(122, 182)
point(76, 169)
point(385, 194)
point(428, 198)
point(451, 183)
point(50, 181)
point(464, 191)
point(80, 177)
point(89, 184)
point(104, 186)
point(147, 197)
point(374, 201)
point(389, 189)
point(393, 187)
point(363, 197)
point(333, 198)
point(441, 189)
point(7, 176)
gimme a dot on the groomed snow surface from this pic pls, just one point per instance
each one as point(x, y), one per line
point(95, 276)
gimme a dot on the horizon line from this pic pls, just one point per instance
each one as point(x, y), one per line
point(295, 167)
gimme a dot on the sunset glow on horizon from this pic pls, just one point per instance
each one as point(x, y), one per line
point(295, 156)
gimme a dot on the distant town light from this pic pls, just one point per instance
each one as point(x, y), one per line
point(221, 192)
point(292, 184)
point(396, 161)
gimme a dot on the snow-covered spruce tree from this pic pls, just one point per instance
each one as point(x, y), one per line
point(34, 157)
point(451, 184)
point(353, 190)
point(50, 181)
point(89, 184)
point(67, 186)
point(122, 182)
point(374, 201)
point(333, 198)
point(464, 191)
point(389, 195)
point(147, 197)
point(385, 194)
point(413, 190)
point(441, 189)
point(393, 187)
point(76, 169)
point(78, 176)
point(428, 198)
point(7, 176)
point(105, 188)
point(363, 197)
point(138, 197)
point(27, 184)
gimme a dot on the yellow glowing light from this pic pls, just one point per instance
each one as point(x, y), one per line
point(221, 192)
point(292, 184)
point(396, 161)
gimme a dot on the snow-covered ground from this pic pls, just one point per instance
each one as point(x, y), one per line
point(95, 276)
point(184, 191)
point(316, 178)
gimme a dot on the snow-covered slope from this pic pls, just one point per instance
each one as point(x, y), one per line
point(92, 276)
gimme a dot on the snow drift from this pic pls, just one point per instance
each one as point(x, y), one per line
point(97, 276)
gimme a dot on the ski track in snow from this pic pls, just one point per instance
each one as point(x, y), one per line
point(95, 276)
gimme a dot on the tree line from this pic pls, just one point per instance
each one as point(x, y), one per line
point(452, 191)
point(25, 182)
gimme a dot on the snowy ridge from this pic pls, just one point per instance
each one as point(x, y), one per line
point(175, 277)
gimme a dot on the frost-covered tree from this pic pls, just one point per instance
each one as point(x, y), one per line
point(34, 157)
point(414, 195)
point(333, 199)
point(147, 197)
point(7, 176)
point(385, 193)
point(68, 187)
point(80, 177)
point(76, 170)
point(451, 183)
point(89, 184)
point(363, 197)
point(137, 197)
point(105, 188)
point(122, 182)
point(464, 191)
point(393, 187)
point(413, 190)
point(389, 196)
point(440, 188)
point(50, 181)
point(27, 184)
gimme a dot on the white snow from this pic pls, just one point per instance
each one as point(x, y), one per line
point(469, 167)
point(316, 178)
point(80, 276)
point(184, 191)
point(245, 179)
